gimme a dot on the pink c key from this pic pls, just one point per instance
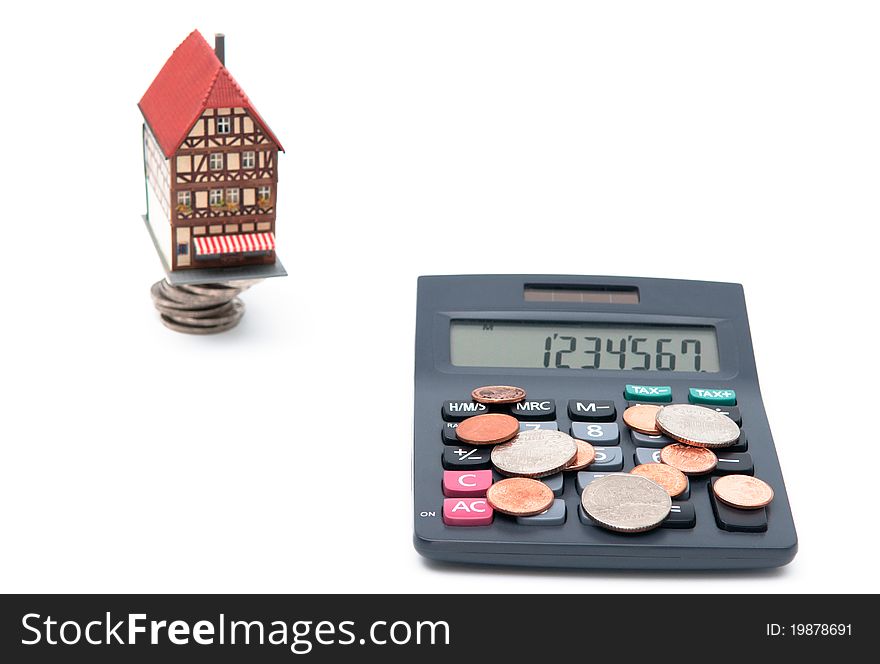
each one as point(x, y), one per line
point(466, 512)
point(466, 483)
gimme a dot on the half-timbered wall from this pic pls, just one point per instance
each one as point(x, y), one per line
point(244, 160)
point(223, 182)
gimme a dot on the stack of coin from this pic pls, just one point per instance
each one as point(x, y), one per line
point(200, 309)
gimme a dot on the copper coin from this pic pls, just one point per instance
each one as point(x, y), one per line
point(671, 479)
point(642, 418)
point(586, 454)
point(520, 496)
point(498, 394)
point(689, 460)
point(487, 429)
point(743, 491)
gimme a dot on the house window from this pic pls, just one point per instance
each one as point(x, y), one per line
point(215, 197)
point(224, 124)
point(264, 193)
point(184, 198)
point(248, 159)
point(183, 250)
point(215, 161)
point(232, 196)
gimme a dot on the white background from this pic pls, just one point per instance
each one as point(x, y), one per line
point(717, 141)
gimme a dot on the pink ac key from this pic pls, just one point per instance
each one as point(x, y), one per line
point(466, 512)
point(466, 483)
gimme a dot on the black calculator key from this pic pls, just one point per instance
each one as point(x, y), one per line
point(585, 477)
point(466, 457)
point(555, 482)
point(645, 440)
point(729, 464)
point(608, 459)
point(596, 433)
point(681, 515)
point(555, 516)
point(646, 455)
point(742, 445)
point(456, 411)
point(534, 426)
point(534, 409)
point(737, 520)
point(731, 411)
point(591, 411)
point(448, 433)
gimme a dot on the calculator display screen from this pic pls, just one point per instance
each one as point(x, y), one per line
point(487, 343)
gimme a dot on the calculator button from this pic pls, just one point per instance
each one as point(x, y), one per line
point(591, 411)
point(737, 520)
point(730, 411)
point(534, 409)
point(608, 459)
point(534, 426)
point(466, 457)
point(645, 455)
point(644, 440)
point(585, 477)
point(448, 433)
point(649, 393)
point(587, 521)
point(466, 512)
point(596, 433)
point(681, 515)
point(734, 463)
point(555, 482)
point(466, 483)
point(456, 411)
point(555, 516)
point(712, 396)
point(742, 445)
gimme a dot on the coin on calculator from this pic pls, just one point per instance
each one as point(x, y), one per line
point(626, 503)
point(672, 479)
point(498, 394)
point(697, 425)
point(689, 460)
point(535, 453)
point(586, 454)
point(487, 429)
point(743, 491)
point(642, 418)
point(520, 496)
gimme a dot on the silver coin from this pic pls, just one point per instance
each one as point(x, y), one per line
point(534, 453)
point(697, 426)
point(626, 503)
point(187, 329)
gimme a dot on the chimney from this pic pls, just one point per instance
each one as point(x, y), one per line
point(220, 47)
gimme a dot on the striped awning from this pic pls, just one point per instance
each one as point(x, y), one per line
point(212, 245)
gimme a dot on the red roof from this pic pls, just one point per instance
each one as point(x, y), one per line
point(192, 80)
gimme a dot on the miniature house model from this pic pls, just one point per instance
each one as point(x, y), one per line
point(211, 164)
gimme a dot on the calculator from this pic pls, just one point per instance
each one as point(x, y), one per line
point(584, 349)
